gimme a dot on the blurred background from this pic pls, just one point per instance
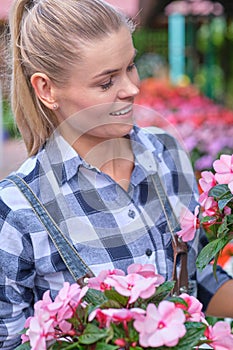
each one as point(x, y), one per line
point(185, 62)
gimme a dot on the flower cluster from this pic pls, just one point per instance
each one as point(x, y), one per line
point(216, 202)
point(204, 126)
point(122, 311)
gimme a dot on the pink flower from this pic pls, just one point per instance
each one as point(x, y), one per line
point(121, 342)
point(193, 309)
point(41, 330)
point(106, 316)
point(99, 283)
point(227, 210)
point(45, 304)
point(206, 182)
point(41, 327)
point(161, 326)
point(210, 207)
point(146, 270)
point(66, 303)
point(50, 315)
point(224, 169)
point(70, 295)
point(220, 335)
point(24, 337)
point(189, 223)
point(134, 285)
point(102, 317)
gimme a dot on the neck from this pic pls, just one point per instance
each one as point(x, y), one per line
point(113, 157)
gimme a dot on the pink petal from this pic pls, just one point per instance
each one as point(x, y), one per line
point(187, 233)
point(220, 329)
point(65, 326)
point(156, 339)
point(134, 268)
point(207, 181)
point(223, 164)
point(224, 178)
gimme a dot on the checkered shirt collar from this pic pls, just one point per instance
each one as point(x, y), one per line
point(65, 161)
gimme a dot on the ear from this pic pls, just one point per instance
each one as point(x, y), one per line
point(44, 89)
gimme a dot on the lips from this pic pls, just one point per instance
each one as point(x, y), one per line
point(122, 111)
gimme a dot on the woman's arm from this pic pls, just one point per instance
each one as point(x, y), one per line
point(221, 304)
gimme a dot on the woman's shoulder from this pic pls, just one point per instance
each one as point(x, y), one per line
point(26, 169)
point(10, 194)
point(168, 150)
point(169, 139)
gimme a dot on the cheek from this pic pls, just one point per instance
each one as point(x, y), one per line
point(98, 101)
point(90, 116)
point(74, 104)
point(136, 79)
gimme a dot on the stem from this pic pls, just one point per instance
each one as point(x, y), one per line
point(125, 325)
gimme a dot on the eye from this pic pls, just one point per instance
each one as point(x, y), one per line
point(107, 85)
point(131, 67)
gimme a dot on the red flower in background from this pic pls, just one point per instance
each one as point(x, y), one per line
point(225, 255)
point(204, 126)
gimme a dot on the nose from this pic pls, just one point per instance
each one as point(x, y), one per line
point(129, 88)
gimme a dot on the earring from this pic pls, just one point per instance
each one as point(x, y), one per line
point(55, 106)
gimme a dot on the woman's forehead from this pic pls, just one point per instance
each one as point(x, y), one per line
point(114, 48)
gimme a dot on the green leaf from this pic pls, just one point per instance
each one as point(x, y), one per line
point(24, 346)
point(112, 294)
point(104, 346)
point(210, 251)
point(212, 320)
point(111, 304)
point(176, 299)
point(95, 297)
point(118, 331)
point(206, 219)
point(162, 292)
point(219, 191)
point(230, 219)
point(224, 201)
point(223, 228)
point(195, 331)
point(60, 345)
point(215, 266)
point(164, 289)
point(92, 334)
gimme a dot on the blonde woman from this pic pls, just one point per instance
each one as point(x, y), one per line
point(91, 168)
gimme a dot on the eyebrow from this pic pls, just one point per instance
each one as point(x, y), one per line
point(112, 71)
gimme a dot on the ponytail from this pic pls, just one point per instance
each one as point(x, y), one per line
point(25, 105)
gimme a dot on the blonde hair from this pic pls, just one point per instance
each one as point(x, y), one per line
point(47, 36)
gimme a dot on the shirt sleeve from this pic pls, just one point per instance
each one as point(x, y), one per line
point(16, 277)
point(206, 281)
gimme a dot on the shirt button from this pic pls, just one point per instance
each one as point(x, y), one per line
point(131, 213)
point(85, 280)
point(148, 252)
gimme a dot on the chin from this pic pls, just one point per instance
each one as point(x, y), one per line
point(120, 130)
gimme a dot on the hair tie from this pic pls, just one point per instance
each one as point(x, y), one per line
point(29, 4)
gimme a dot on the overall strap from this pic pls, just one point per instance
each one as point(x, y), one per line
point(179, 247)
point(77, 267)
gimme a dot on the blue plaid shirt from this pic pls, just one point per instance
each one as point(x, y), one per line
point(109, 227)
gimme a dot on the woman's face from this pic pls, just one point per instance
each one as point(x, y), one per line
point(99, 97)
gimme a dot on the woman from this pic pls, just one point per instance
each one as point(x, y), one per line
point(73, 87)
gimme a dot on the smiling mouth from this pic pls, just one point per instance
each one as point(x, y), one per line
point(122, 111)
